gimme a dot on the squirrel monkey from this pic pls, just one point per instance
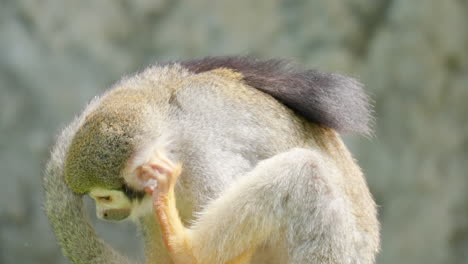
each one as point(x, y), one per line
point(249, 147)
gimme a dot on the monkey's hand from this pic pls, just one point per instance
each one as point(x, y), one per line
point(160, 176)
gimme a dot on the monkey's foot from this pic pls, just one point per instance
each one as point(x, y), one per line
point(159, 174)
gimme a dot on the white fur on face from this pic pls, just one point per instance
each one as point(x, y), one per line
point(114, 199)
point(108, 201)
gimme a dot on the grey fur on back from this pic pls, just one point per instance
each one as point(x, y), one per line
point(330, 99)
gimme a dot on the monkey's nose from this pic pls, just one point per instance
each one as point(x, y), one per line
point(116, 214)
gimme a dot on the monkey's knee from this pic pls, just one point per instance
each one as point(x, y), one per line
point(301, 170)
point(319, 222)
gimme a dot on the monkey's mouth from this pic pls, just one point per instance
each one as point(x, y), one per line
point(115, 214)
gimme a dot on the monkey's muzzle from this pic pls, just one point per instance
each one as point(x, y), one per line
point(115, 214)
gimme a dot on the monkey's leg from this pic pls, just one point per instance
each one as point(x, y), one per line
point(294, 198)
point(176, 238)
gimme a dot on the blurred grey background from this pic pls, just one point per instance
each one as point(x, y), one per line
point(412, 55)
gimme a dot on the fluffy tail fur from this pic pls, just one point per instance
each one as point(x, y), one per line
point(330, 99)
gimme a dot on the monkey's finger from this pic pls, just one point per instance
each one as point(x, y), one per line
point(163, 185)
point(145, 173)
point(149, 189)
point(162, 159)
point(151, 183)
point(160, 168)
point(154, 173)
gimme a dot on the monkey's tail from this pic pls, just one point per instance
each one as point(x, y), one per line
point(330, 99)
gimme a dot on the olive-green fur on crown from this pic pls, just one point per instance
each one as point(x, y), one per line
point(103, 144)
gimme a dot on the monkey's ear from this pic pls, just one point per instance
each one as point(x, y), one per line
point(330, 99)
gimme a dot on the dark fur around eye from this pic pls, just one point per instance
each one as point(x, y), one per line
point(132, 194)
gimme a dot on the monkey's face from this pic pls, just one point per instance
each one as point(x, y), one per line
point(117, 205)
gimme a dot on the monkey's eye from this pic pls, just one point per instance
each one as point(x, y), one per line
point(104, 198)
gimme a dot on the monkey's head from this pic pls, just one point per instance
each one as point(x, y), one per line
point(103, 146)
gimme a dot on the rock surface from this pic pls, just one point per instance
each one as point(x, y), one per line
point(412, 55)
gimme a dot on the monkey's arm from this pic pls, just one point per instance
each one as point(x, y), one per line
point(177, 238)
point(294, 196)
